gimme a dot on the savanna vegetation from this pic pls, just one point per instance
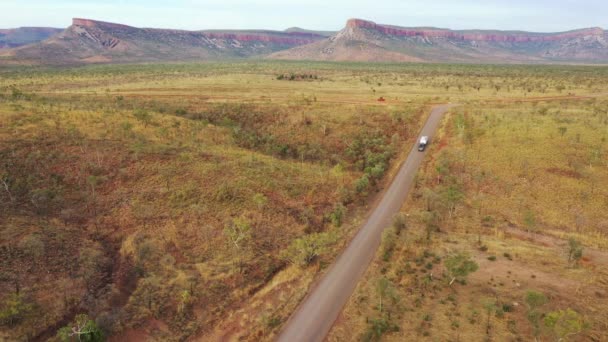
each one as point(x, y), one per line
point(201, 201)
point(505, 236)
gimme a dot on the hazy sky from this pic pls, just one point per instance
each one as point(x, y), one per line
point(531, 15)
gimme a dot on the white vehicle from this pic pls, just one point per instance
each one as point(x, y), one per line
point(424, 140)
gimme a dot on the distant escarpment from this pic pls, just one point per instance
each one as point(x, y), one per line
point(12, 38)
point(363, 40)
point(91, 41)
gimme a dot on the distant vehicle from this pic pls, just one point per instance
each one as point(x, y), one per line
point(424, 140)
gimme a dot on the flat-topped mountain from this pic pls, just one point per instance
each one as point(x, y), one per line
point(11, 38)
point(90, 41)
point(363, 40)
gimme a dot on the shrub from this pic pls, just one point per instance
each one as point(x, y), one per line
point(305, 250)
point(388, 244)
point(377, 327)
point(459, 266)
point(362, 184)
point(399, 223)
point(337, 215)
point(82, 329)
point(14, 309)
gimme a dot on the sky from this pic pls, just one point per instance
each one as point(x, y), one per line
point(528, 15)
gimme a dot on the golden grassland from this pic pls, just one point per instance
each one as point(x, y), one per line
point(201, 200)
point(508, 185)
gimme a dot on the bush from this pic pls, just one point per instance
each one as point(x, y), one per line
point(82, 329)
point(14, 309)
point(399, 223)
point(377, 327)
point(337, 215)
point(459, 266)
point(388, 244)
point(362, 184)
point(305, 250)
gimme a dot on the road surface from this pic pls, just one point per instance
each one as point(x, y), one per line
point(316, 314)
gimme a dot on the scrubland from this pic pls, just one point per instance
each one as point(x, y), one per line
point(505, 237)
point(201, 201)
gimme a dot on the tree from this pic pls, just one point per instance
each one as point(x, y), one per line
point(306, 249)
point(82, 329)
point(530, 220)
point(535, 300)
point(384, 289)
point(92, 262)
point(399, 223)
point(490, 306)
point(452, 195)
point(565, 323)
point(148, 288)
point(575, 251)
point(238, 233)
point(362, 184)
point(337, 215)
point(14, 309)
point(431, 223)
point(459, 266)
point(33, 246)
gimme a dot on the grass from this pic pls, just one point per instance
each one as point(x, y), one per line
point(509, 183)
point(161, 200)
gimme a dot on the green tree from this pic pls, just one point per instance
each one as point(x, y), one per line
point(362, 184)
point(535, 300)
point(452, 196)
point(575, 251)
point(82, 329)
point(459, 266)
point(565, 323)
point(306, 249)
point(337, 215)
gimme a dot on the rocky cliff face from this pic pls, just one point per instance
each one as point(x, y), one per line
point(363, 40)
point(89, 41)
point(109, 34)
point(518, 37)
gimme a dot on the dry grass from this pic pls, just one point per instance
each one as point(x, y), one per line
point(526, 189)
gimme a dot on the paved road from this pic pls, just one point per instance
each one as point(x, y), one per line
point(316, 314)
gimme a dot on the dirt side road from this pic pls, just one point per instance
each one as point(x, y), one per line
point(316, 314)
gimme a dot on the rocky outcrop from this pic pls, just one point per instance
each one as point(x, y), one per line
point(363, 40)
point(287, 38)
point(92, 41)
point(489, 36)
point(99, 24)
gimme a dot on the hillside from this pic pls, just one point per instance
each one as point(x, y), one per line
point(11, 38)
point(363, 40)
point(89, 41)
